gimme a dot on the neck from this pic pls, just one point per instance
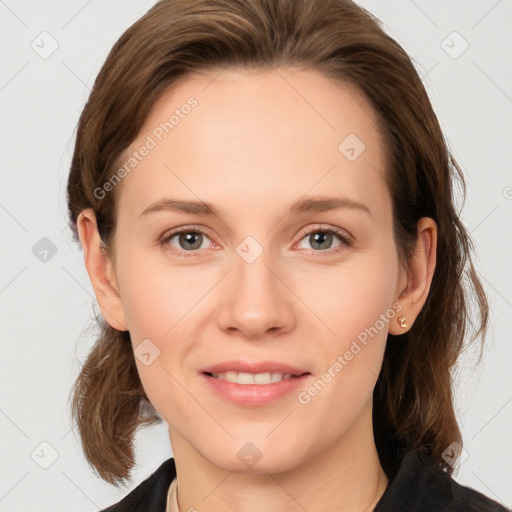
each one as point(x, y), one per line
point(346, 476)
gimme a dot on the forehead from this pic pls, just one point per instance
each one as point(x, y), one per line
point(246, 135)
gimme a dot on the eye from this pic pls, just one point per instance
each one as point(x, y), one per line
point(321, 240)
point(185, 240)
point(189, 240)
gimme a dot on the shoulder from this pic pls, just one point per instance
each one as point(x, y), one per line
point(423, 486)
point(151, 494)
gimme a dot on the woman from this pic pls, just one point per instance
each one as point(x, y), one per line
point(263, 196)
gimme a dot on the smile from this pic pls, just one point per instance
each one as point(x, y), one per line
point(251, 378)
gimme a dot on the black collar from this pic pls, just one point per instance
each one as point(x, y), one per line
point(422, 485)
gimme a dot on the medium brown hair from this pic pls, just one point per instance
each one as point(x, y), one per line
point(413, 402)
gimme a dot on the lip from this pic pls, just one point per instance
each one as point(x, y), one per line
point(256, 367)
point(254, 395)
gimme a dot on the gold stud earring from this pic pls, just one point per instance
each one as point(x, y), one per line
point(403, 323)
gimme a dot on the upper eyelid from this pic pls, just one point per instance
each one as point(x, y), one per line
point(184, 229)
point(324, 227)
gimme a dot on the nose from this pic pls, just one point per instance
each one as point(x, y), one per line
point(257, 301)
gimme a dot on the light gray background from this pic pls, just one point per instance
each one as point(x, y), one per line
point(46, 308)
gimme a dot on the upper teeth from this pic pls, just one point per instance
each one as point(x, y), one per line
point(252, 378)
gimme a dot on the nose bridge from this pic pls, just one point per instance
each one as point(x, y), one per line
point(256, 301)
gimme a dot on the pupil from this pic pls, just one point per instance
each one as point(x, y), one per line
point(319, 238)
point(188, 238)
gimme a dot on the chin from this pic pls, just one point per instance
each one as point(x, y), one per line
point(256, 457)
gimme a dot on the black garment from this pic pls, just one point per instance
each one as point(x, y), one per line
point(419, 486)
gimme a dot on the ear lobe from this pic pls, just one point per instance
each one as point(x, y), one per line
point(419, 275)
point(100, 270)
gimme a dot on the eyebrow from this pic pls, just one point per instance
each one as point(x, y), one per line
point(318, 204)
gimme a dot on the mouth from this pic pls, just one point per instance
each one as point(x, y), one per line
point(254, 384)
point(253, 378)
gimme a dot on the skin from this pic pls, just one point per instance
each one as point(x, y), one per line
point(252, 147)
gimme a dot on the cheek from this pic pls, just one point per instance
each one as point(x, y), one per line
point(368, 299)
point(354, 309)
point(350, 298)
point(156, 302)
point(352, 355)
point(156, 295)
point(162, 304)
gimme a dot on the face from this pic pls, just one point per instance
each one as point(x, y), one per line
point(287, 264)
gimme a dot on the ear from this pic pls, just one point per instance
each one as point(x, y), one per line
point(418, 275)
point(100, 270)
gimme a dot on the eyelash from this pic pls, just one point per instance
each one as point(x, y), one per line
point(166, 237)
